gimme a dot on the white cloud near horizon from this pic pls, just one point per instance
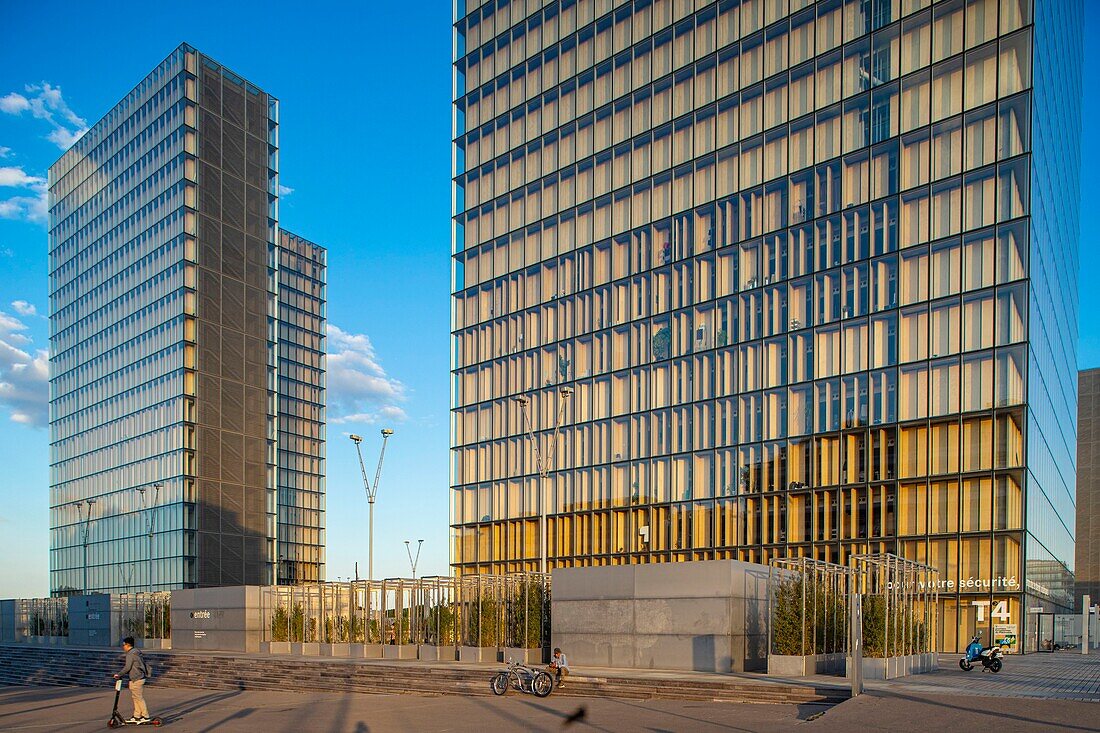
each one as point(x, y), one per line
point(285, 190)
point(29, 208)
point(45, 102)
point(359, 390)
point(4, 152)
point(24, 376)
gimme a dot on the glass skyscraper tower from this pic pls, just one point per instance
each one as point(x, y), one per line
point(186, 335)
point(809, 269)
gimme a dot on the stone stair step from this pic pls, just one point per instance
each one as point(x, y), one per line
point(22, 664)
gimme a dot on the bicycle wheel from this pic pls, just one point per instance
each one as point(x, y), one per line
point(543, 684)
point(499, 683)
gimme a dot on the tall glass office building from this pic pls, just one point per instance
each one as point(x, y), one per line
point(301, 414)
point(808, 268)
point(167, 292)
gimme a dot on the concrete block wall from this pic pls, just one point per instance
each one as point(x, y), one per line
point(7, 620)
point(92, 621)
point(224, 619)
point(706, 616)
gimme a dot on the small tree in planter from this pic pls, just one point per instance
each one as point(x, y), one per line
point(441, 625)
point(788, 618)
point(280, 624)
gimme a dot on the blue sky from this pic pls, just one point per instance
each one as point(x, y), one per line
point(365, 91)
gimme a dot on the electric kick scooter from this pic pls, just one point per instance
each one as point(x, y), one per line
point(117, 721)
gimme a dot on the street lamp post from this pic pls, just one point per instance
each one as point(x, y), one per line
point(150, 527)
point(544, 464)
point(412, 562)
point(372, 492)
point(86, 518)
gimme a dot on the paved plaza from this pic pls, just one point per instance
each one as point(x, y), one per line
point(80, 710)
point(1057, 676)
point(1041, 692)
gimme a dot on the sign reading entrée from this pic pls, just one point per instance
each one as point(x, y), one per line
point(201, 614)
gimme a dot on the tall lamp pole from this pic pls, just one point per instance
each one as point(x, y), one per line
point(544, 464)
point(372, 491)
point(412, 562)
point(86, 518)
point(150, 526)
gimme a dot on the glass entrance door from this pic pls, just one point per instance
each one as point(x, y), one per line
point(1044, 632)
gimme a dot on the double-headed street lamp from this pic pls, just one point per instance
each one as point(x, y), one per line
point(85, 517)
point(412, 562)
point(371, 491)
point(150, 525)
point(544, 464)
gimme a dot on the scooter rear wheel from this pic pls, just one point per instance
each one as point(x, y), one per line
point(995, 666)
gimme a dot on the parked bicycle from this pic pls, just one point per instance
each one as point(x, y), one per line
point(523, 678)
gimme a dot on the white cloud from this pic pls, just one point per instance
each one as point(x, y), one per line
point(24, 308)
point(4, 152)
point(65, 138)
point(14, 104)
point(285, 190)
point(24, 377)
point(45, 102)
point(15, 176)
point(30, 208)
point(359, 390)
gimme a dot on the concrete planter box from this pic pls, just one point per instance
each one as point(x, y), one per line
point(783, 665)
point(894, 667)
point(523, 656)
point(477, 654)
point(365, 651)
point(275, 647)
point(48, 640)
point(337, 649)
point(306, 649)
point(399, 651)
point(155, 644)
point(428, 653)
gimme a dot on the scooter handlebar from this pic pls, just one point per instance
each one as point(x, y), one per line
point(118, 683)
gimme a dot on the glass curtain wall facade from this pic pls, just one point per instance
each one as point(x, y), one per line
point(164, 321)
point(301, 339)
point(782, 252)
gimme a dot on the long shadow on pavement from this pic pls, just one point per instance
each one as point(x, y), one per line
point(239, 715)
point(999, 715)
point(51, 706)
point(173, 713)
point(688, 717)
point(565, 716)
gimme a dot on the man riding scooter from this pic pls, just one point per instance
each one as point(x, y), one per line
point(137, 670)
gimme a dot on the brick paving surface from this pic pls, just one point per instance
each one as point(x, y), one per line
point(83, 710)
point(1056, 676)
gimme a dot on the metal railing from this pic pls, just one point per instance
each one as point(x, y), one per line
point(808, 606)
point(144, 615)
point(900, 600)
point(478, 610)
point(42, 617)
